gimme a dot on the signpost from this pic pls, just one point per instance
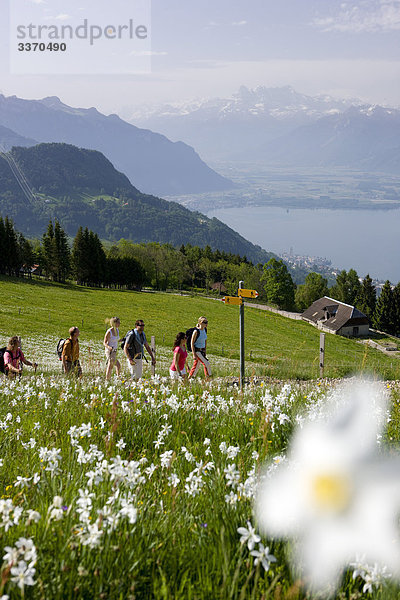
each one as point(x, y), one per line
point(232, 300)
point(247, 293)
point(241, 328)
point(238, 301)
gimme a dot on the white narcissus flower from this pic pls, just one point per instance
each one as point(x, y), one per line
point(248, 535)
point(22, 574)
point(263, 556)
point(335, 494)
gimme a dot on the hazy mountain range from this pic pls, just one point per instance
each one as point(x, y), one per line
point(151, 161)
point(282, 127)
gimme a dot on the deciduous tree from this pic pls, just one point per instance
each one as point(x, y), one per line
point(279, 286)
point(314, 287)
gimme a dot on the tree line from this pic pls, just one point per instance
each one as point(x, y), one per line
point(131, 266)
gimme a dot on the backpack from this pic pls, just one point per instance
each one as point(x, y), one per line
point(2, 352)
point(135, 349)
point(189, 335)
point(60, 347)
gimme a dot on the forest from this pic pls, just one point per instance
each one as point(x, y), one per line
point(129, 265)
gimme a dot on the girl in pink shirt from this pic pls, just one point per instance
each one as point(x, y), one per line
point(14, 358)
point(177, 368)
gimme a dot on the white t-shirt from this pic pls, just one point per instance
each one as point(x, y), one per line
point(113, 341)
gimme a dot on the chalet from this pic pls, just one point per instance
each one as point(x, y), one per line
point(219, 287)
point(337, 317)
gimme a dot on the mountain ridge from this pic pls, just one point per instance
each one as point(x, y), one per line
point(150, 160)
point(280, 126)
point(81, 187)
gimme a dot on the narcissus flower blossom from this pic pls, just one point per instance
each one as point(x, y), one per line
point(337, 495)
point(248, 536)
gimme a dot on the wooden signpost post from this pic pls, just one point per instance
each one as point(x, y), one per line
point(321, 354)
point(238, 301)
point(153, 349)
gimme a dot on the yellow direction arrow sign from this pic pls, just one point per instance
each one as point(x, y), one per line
point(232, 300)
point(247, 293)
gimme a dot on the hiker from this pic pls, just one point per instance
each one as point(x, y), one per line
point(198, 345)
point(133, 350)
point(70, 354)
point(111, 340)
point(177, 369)
point(14, 358)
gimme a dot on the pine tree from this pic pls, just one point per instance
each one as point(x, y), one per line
point(49, 252)
point(79, 262)
point(98, 260)
point(26, 255)
point(62, 252)
point(396, 310)
point(366, 299)
point(11, 249)
point(3, 266)
point(347, 287)
point(383, 317)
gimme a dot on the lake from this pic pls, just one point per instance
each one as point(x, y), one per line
point(366, 240)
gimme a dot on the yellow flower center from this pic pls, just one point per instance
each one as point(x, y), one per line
point(331, 492)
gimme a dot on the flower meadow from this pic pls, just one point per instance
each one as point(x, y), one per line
point(147, 490)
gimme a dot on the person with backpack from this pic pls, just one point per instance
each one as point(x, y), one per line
point(111, 340)
point(70, 354)
point(14, 358)
point(198, 347)
point(177, 369)
point(134, 342)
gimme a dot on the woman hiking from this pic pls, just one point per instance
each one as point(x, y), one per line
point(110, 342)
point(199, 347)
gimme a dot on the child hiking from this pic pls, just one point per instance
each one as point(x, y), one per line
point(177, 369)
point(14, 358)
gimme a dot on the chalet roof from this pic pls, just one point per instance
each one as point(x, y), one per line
point(334, 314)
point(218, 285)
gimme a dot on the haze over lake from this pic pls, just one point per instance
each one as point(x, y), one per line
point(366, 240)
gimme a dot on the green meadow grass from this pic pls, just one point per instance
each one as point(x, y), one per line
point(274, 345)
point(183, 542)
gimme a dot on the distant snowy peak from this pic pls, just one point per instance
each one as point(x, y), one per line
point(278, 103)
point(246, 125)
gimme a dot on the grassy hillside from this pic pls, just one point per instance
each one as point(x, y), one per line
point(42, 312)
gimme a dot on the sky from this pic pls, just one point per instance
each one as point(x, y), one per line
point(207, 49)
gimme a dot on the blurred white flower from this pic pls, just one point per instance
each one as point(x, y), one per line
point(248, 536)
point(121, 444)
point(23, 574)
point(231, 498)
point(33, 515)
point(173, 480)
point(232, 452)
point(263, 556)
point(166, 459)
point(335, 494)
point(232, 475)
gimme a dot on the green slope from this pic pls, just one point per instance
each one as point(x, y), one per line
point(81, 187)
point(279, 347)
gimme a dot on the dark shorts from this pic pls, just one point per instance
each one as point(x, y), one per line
point(73, 368)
